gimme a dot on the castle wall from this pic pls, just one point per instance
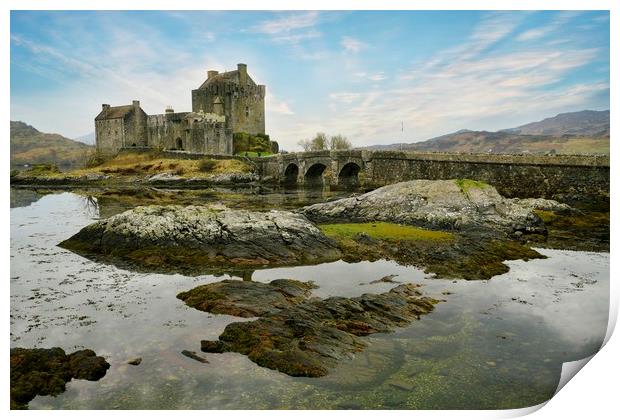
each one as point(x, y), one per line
point(135, 129)
point(164, 130)
point(244, 106)
point(177, 131)
point(109, 135)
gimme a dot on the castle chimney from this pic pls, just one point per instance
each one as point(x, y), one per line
point(169, 110)
point(212, 73)
point(136, 104)
point(243, 73)
point(105, 106)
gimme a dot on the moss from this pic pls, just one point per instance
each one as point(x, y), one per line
point(42, 169)
point(384, 231)
point(588, 231)
point(545, 215)
point(447, 255)
point(482, 260)
point(467, 184)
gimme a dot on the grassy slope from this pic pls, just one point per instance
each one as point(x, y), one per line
point(30, 146)
point(142, 164)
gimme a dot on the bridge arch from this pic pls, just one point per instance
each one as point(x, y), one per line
point(348, 175)
point(314, 174)
point(291, 173)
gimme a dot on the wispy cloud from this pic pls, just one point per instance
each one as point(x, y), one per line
point(277, 106)
point(465, 87)
point(287, 23)
point(351, 44)
point(558, 22)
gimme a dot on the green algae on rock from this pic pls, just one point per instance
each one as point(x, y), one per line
point(308, 337)
point(468, 255)
point(46, 371)
point(205, 236)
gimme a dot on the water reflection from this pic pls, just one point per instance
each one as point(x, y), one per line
point(492, 344)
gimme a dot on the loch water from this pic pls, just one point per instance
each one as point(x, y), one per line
point(497, 343)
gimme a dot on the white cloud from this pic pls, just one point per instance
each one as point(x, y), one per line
point(273, 104)
point(532, 34)
point(351, 44)
point(345, 97)
point(295, 38)
point(377, 77)
point(288, 23)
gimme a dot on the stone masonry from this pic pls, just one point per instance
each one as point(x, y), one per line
point(224, 104)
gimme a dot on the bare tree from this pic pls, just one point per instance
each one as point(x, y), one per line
point(305, 144)
point(319, 142)
point(339, 142)
point(322, 142)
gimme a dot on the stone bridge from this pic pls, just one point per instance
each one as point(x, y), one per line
point(512, 175)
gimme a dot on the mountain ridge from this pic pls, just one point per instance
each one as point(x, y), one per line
point(581, 132)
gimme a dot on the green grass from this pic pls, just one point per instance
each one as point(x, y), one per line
point(383, 230)
point(467, 184)
point(42, 169)
point(254, 154)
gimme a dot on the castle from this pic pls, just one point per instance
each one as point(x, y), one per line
point(224, 104)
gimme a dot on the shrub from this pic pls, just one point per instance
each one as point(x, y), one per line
point(207, 165)
point(93, 159)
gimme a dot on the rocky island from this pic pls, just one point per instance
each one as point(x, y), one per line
point(297, 334)
point(207, 236)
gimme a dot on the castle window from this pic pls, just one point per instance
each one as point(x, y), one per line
point(247, 111)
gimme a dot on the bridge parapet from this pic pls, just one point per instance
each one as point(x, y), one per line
point(512, 175)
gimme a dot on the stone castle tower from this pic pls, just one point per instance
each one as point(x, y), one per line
point(236, 96)
point(224, 104)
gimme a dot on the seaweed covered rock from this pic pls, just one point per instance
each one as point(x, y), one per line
point(202, 236)
point(444, 204)
point(310, 337)
point(246, 299)
point(46, 371)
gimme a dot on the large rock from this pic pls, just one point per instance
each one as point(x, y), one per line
point(206, 237)
point(443, 204)
point(246, 298)
point(301, 335)
point(45, 372)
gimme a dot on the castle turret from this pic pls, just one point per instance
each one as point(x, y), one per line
point(243, 73)
point(236, 96)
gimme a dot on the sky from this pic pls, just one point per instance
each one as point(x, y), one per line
point(377, 77)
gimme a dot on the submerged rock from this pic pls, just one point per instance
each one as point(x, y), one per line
point(194, 356)
point(46, 371)
point(443, 204)
point(205, 236)
point(309, 337)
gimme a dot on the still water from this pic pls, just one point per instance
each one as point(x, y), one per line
point(498, 343)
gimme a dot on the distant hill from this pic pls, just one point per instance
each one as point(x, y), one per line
point(582, 123)
point(86, 139)
point(30, 146)
point(584, 132)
